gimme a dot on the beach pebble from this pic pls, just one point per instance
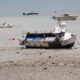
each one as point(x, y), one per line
point(65, 64)
point(73, 62)
point(33, 65)
point(17, 52)
point(53, 63)
point(75, 48)
point(44, 68)
point(40, 53)
point(11, 61)
point(49, 57)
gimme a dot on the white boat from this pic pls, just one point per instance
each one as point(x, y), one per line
point(31, 13)
point(66, 16)
point(58, 38)
point(6, 25)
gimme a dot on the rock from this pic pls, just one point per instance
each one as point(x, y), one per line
point(65, 64)
point(49, 57)
point(45, 68)
point(53, 63)
point(11, 61)
point(73, 62)
point(33, 65)
point(40, 53)
point(70, 72)
point(17, 52)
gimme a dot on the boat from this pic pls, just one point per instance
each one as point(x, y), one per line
point(6, 25)
point(49, 40)
point(66, 16)
point(31, 13)
point(57, 38)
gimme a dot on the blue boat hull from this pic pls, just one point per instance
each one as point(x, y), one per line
point(56, 44)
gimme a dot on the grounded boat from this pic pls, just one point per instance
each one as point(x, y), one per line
point(58, 38)
point(6, 25)
point(31, 13)
point(66, 16)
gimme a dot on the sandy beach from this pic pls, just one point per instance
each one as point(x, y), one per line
point(18, 63)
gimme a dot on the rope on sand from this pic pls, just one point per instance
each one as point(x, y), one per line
point(78, 42)
point(74, 41)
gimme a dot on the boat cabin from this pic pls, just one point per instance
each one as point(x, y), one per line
point(66, 14)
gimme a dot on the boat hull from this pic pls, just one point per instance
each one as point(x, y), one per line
point(5, 26)
point(32, 13)
point(67, 18)
point(61, 44)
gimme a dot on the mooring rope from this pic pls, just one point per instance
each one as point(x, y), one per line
point(74, 44)
point(78, 42)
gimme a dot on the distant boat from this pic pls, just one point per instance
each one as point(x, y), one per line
point(31, 13)
point(6, 25)
point(66, 16)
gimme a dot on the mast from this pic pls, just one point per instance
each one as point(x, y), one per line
point(59, 23)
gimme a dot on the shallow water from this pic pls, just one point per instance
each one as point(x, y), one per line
point(16, 8)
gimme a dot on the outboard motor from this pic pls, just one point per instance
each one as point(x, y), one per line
point(54, 17)
point(23, 13)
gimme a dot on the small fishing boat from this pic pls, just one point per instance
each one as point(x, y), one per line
point(58, 38)
point(66, 16)
point(31, 13)
point(55, 41)
point(6, 25)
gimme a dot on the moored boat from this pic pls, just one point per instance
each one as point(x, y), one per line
point(6, 25)
point(66, 16)
point(31, 13)
point(51, 42)
point(58, 38)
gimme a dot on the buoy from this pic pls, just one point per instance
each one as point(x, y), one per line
point(13, 38)
point(19, 26)
point(54, 11)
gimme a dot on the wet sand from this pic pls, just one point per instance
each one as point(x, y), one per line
point(18, 63)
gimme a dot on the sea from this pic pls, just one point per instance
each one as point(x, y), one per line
point(11, 11)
